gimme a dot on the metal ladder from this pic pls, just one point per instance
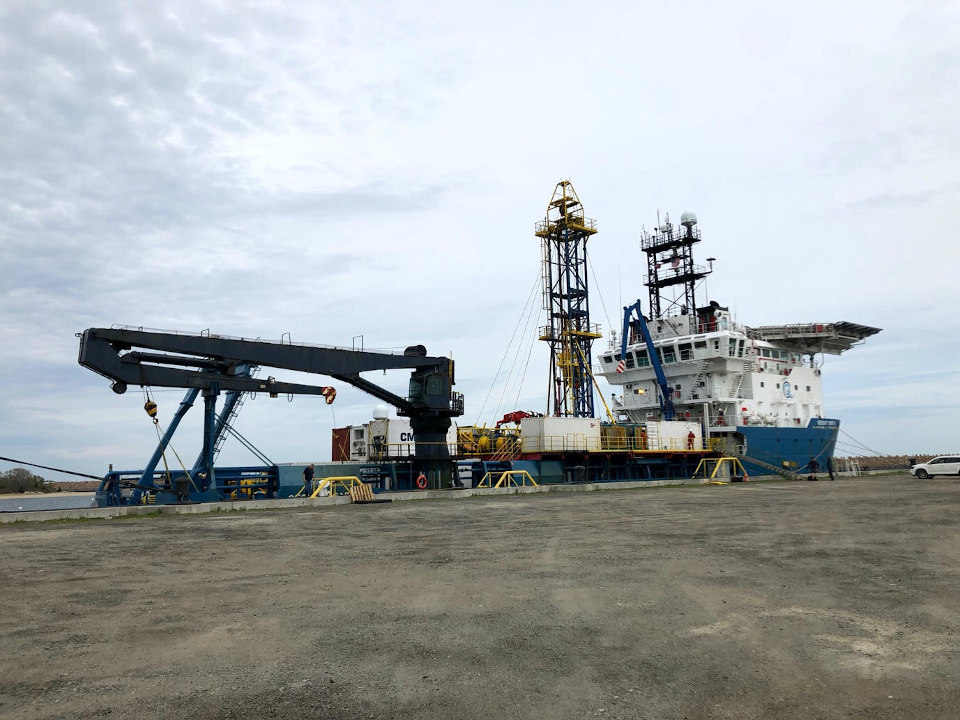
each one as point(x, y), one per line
point(653, 437)
point(852, 466)
point(227, 420)
point(695, 386)
point(782, 472)
point(509, 451)
point(736, 388)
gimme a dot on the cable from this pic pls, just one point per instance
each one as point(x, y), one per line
point(860, 443)
point(600, 294)
point(166, 468)
point(507, 348)
point(529, 312)
point(526, 366)
point(47, 467)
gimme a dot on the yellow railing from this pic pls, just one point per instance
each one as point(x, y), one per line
point(484, 440)
point(332, 483)
point(712, 466)
point(386, 451)
point(614, 443)
point(507, 479)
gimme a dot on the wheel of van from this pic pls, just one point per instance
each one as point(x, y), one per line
point(922, 474)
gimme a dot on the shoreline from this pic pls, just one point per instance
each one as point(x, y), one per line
point(64, 493)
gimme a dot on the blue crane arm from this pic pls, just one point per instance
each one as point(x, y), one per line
point(203, 361)
point(666, 393)
point(213, 364)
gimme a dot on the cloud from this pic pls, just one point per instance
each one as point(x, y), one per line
point(340, 170)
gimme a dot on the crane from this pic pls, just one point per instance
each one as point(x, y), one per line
point(211, 364)
point(666, 393)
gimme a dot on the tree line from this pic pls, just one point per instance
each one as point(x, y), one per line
point(21, 480)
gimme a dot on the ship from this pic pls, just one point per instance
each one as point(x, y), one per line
point(696, 393)
point(757, 392)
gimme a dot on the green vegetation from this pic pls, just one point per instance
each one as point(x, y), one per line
point(21, 480)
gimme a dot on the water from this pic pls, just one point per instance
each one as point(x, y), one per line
point(17, 503)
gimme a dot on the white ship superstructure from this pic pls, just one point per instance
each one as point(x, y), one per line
point(720, 375)
point(759, 389)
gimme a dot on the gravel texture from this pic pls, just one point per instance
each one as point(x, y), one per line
point(767, 600)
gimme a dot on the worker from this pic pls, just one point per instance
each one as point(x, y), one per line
point(308, 480)
point(690, 438)
point(814, 466)
point(830, 467)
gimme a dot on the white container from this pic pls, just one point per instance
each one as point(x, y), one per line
point(674, 435)
point(388, 438)
point(559, 434)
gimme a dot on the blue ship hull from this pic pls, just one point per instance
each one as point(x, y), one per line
point(789, 448)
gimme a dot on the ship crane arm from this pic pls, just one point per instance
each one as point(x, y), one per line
point(208, 362)
point(212, 364)
point(666, 393)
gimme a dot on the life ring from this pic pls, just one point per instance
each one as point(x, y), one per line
point(422, 481)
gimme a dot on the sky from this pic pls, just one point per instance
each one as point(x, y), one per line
point(371, 173)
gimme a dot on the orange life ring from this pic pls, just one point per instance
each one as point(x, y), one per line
point(422, 481)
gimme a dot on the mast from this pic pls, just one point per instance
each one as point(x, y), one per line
point(671, 274)
point(564, 233)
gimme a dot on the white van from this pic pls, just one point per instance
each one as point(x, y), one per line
point(944, 465)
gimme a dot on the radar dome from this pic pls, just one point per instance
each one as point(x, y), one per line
point(381, 412)
point(688, 218)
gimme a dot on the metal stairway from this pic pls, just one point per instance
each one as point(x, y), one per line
point(694, 393)
point(781, 471)
point(510, 450)
point(747, 367)
point(230, 411)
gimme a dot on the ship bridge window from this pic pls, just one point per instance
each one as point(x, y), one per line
point(686, 351)
point(630, 363)
point(668, 354)
point(733, 347)
point(700, 344)
point(642, 359)
point(608, 359)
point(740, 350)
point(716, 344)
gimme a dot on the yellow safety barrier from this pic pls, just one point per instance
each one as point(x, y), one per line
point(341, 481)
point(711, 466)
point(507, 478)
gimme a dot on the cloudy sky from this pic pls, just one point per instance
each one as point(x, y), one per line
point(343, 169)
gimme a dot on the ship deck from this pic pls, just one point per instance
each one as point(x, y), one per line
point(807, 338)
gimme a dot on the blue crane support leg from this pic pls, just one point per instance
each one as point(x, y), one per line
point(146, 479)
point(208, 478)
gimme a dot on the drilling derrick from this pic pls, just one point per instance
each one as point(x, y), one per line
point(563, 236)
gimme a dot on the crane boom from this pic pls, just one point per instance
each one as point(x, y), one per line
point(666, 394)
point(213, 364)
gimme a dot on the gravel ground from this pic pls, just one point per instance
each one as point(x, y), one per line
point(769, 600)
